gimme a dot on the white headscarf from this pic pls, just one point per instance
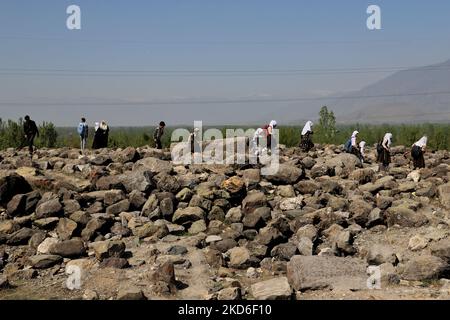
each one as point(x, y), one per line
point(387, 140)
point(362, 144)
point(422, 142)
point(103, 125)
point(307, 128)
point(273, 124)
point(354, 134)
point(97, 125)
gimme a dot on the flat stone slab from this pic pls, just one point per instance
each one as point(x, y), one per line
point(320, 272)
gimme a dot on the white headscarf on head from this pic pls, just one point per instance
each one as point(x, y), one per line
point(387, 140)
point(354, 134)
point(422, 142)
point(97, 125)
point(307, 128)
point(362, 144)
point(273, 124)
point(103, 125)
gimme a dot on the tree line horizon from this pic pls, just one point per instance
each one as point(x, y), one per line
point(326, 131)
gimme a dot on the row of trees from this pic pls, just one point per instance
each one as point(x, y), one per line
point(12, 135)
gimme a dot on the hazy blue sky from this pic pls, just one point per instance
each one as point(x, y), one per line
point(200, 35)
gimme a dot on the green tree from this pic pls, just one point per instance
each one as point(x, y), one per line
point(327, 125)
point(47, 135)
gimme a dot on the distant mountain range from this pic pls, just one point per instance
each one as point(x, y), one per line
point(414, 95)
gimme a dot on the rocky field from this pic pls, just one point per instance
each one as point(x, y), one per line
point(136, 226)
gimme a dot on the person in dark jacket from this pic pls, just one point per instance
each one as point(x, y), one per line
point(417, 151)
point(97, 137)
point(306, 142)
point(159, 132)
point(384, 152)
point(31, 131)
point(194, 138)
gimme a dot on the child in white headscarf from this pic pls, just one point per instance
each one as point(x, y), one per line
point(263, 133)
point(384, 152)
point(362, 145)
point(417, 151)
point(354, 138)
point(306, 142)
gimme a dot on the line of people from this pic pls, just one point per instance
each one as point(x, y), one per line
point(261, 142)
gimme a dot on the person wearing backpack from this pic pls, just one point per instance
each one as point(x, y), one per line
point(417, 151)
point(31, 131)
point(157, 135)
point(351, 146)
point(83, 132)
point(384, 152)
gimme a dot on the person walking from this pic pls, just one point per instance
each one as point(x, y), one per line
point(352, 145)
point(159, 132)
point(362, 154)
point(305, 141)
point(104, 134)
point(384, 152)
point(417, 152)
point(97, 136)
point(31, 132)
point(194, 141)
point(83, 131)
point(262, 135)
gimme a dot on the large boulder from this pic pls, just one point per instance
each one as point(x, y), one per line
point(20, 236)
point(49, 208)
point(119, 207)
point(12, 185)
point(441, 249)
point(44, 261)
point(16, 207)
point(154, 165)
point(108, 249)
point(273, 289)
point(127, 155)
point(65, 229)
point(234, 185)
point(188, 215)
point(425, 267)
point(444, 195)
point(405, 217)
point(287, 174)
point(319, 272)
point(140, 180)
point(379, 254)
point(69, 248)
point(239, 258)
point(253, 201)
point(307, 187)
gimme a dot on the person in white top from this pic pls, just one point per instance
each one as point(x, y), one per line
point(354, 138)
point(362, 145)
point(306, 142)
point(263, 133)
